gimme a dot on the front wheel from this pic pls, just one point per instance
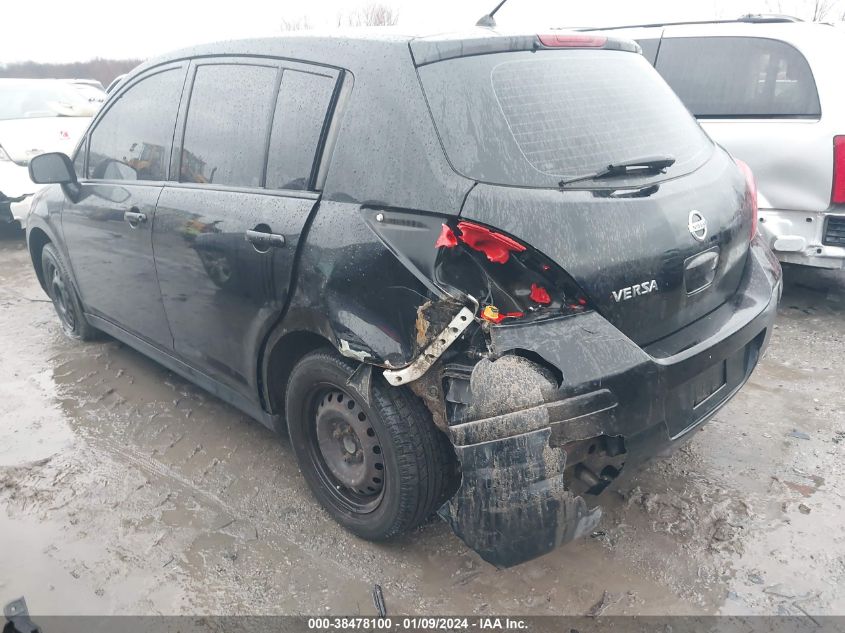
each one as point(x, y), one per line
point(64, 297)
point(379, 470)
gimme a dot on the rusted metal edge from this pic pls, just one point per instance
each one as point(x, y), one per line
point(435, 349)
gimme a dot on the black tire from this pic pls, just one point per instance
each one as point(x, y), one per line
point(416, 460)
point(65, 300)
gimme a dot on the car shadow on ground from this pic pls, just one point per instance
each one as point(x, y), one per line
point(811, 290)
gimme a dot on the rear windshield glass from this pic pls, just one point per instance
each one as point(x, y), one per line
point(739, 77)
point(534, 118)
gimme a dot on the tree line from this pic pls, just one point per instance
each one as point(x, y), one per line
point(104, 70)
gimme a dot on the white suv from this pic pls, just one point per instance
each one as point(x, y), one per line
point(770, 90)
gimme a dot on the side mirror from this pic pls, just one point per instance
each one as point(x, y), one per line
point(52, 168)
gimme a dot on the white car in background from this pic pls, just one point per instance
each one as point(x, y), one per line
point(770, 90)
point(91, 89)
point(36, 116)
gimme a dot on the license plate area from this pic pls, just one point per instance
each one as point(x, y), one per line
point(691, 402)
point(708, 383)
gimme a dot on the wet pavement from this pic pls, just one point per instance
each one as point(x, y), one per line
point(125, 489)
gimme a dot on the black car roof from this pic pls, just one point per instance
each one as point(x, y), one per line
point(387, 151)
point(353, 48)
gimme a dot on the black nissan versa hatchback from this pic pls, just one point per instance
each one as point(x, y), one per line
point(479, 274)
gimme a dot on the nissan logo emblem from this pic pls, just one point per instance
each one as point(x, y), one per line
point(697, 226)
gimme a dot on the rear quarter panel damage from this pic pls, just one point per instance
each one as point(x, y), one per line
point(379, 309)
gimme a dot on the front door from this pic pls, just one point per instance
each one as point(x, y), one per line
point(108, 225)
point(226, 234)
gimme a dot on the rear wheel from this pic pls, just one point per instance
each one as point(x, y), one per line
point(378, 469)
point(65, 301)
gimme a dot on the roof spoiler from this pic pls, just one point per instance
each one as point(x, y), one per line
point(428, 51)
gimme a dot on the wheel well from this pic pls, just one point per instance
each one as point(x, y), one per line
point(37, 240)
point(283, 356)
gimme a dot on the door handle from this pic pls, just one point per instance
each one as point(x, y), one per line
point(134, 217)
point(263, 241)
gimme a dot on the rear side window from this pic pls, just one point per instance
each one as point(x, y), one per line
point(132, 141)
point(303, 103)
point(724, 77)
point(226, 129)
point(534, 118)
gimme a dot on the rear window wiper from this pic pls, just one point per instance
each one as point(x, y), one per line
point(652, 164)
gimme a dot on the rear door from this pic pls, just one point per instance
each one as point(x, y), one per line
point(108, 226)
point(228, 225)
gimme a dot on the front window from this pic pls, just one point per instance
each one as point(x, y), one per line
point(132, 141)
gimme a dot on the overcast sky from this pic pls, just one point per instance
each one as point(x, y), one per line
point(67, 30)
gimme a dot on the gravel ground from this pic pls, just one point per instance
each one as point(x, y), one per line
point(125, 489)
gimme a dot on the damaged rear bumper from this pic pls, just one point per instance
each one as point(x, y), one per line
point(569, 402)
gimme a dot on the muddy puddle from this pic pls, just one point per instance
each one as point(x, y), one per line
point(124, 489)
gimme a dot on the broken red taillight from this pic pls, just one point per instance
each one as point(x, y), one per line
point(568, 40)
point(540, 295)
point(510, 279)
point(751, 192)
point(838, 195)
point(447, 238)
point(495, 246)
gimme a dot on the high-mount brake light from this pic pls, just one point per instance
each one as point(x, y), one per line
point(751, 189)
point(838, 195)
point(555, 40)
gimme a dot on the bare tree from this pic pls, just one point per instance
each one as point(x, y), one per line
point(822, 8)
point(815, 10)
point(295, 24)
point(370, 15)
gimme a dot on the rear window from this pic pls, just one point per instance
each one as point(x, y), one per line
point(226, 130)
point(534, 118)
point(724, 77)
point(304, 100)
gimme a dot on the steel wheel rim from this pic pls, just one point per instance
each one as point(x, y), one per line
point(344, 449)
point(59, 294)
